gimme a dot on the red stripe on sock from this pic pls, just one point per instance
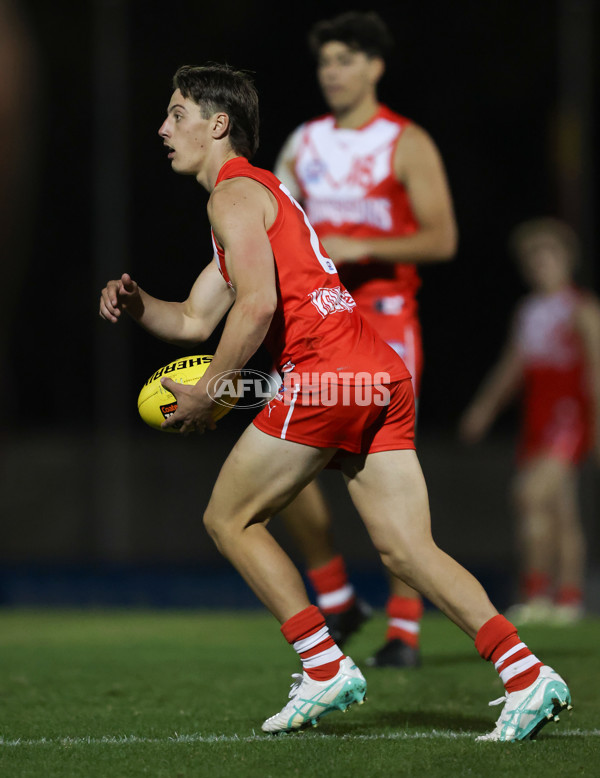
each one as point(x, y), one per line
point(304, 624)
point(494, 639)
point(322, 646)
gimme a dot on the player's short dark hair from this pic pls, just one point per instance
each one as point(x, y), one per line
point(366, 32)
point(215, 87)
point(554, 228)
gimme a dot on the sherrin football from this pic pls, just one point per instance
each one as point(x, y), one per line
point(155, 403)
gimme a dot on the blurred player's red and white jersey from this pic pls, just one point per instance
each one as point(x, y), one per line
point(348, 187)
point(557, 410)
point(316, 326)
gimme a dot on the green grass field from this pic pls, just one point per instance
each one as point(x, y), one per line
point(118, 694)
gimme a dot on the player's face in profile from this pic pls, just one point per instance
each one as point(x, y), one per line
point(545, 263)
point(345, 75)
point(185, 134)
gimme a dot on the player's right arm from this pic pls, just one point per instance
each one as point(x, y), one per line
point(285, 164)
point(181, 323)
point(496, 391)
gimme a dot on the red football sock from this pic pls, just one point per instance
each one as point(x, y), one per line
point(498, 641)
point(404, 615)
point(535, 584)
point(569, 595)
point(308, 634)
point(334, 591)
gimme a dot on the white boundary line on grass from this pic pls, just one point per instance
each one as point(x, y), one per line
point(118, 740)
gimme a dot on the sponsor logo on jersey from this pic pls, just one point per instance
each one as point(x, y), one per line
point(373, 211)
point(332, 300)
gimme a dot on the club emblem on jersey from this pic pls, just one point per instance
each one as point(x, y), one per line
point(315, 169)
point(391, 306)
point(332, 300)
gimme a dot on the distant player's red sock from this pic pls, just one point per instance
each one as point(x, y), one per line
point(535, 584)
point(569, 595)
point(308, 634)
point(335, 593)
point(404, 616)
point(498, 641)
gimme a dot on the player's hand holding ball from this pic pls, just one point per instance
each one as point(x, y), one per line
point(117, 296)
point(170, 400)
point(195, 409)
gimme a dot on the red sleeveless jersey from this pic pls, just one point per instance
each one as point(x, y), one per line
point(349, 188)
point(557, 404)
point(316, 326)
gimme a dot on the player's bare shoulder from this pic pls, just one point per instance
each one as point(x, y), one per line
point(415, 147)
point(586, 314)
point(239, 203)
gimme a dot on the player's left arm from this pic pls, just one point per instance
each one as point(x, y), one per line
point(418, 166)
point(240, 211)
point(587, 323)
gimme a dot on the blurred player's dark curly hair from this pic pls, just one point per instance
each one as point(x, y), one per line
point(215, 87)
point(365, 32)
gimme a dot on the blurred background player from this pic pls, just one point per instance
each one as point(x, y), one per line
point(267, 260)
point(375, 190)
point(553, 355)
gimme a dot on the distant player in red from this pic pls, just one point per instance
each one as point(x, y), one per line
point(553, 357)
point(275, 284)
point(375, 190)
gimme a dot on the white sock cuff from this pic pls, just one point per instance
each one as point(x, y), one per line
point(311, 641)
point(408, 626)
point(516, 668)
point(329, 655)
point(336, 598)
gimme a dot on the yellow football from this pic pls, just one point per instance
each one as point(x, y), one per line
point(155, 403)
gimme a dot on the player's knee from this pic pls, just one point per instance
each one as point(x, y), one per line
point(406, 560)
point(211, 523)
point(400, 561)
point(218, 526)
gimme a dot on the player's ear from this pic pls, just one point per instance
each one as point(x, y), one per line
point(377, 66)
point(220, 125)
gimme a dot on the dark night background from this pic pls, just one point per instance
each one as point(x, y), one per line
point(497, 84)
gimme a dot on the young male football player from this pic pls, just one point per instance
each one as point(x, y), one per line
point(552, 358)
point(374, 188)
point(274, 282)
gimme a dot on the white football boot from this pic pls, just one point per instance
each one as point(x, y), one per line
point(310, 700)
point(525, 712)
